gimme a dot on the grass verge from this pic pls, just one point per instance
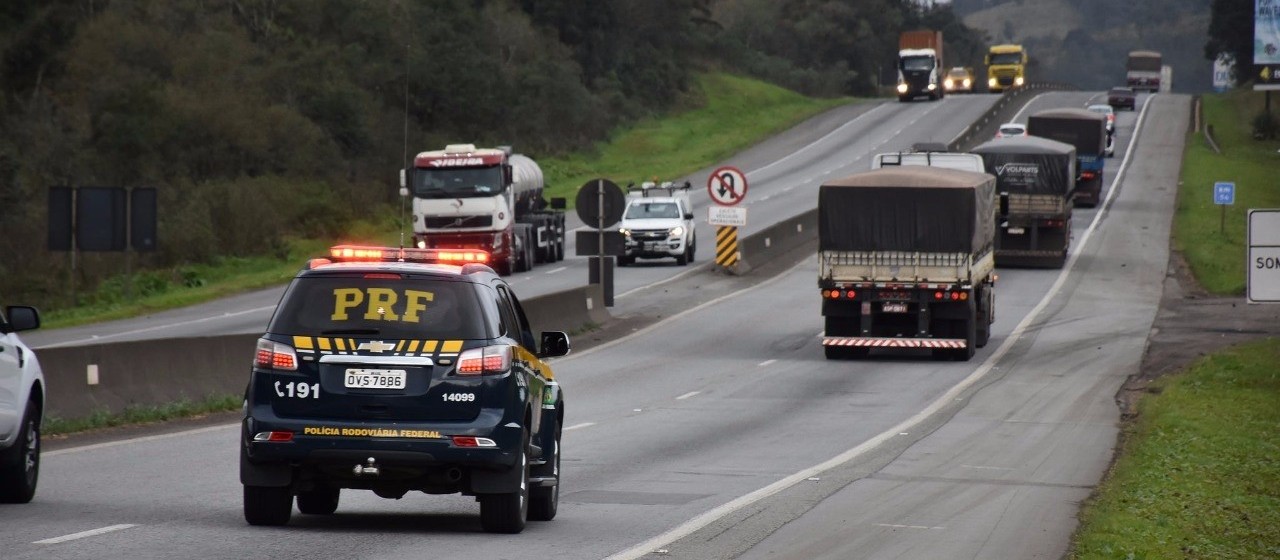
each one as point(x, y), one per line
point(142, 414)
point(737, 113)
point(1216, 254)
point(1199, 471)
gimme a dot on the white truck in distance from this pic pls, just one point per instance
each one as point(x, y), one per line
point(485, 198)
point(658, 223)
point(945, 160)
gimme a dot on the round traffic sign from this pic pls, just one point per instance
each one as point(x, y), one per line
point(727, 186)
point(591, 206)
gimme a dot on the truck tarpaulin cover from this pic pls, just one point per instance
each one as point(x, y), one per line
point(1085, 130)
point(919, 209)
point(1030, 165)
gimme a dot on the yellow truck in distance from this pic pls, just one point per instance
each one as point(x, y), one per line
point(1006, 67)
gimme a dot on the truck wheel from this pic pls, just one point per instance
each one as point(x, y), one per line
point(506, 513)
point(983, 327)
point(969, 329)
point(321, 500)
point(267, 505)
point(20, 464)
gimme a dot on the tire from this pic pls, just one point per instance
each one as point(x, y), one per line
point(683, 258)
point(970, 331)
point(983, 328)
point(844, 352)
point(545, 501)
point(20, 464)
point(626, 261)
point(506, 513)
point(267, 505)
point(693, 249)
point(321, 500)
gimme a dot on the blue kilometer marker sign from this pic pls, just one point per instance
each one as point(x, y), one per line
point(1224, 193)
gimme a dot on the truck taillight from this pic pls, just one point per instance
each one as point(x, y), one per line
point(273, 355)
point(481, 361)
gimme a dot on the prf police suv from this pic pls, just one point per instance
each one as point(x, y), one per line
point(398, 370)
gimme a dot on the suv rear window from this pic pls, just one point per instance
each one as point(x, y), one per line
point(382, 305)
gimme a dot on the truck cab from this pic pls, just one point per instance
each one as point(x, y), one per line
point(1006, 67)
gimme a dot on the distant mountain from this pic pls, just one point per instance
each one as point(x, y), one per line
point(1085, 42)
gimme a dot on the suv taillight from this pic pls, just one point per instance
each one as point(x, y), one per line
point(481, 361)
point(273, 355)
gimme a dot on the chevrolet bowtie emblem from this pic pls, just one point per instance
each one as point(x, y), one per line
point(376, 346)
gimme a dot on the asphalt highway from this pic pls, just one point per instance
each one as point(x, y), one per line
point(721, 432)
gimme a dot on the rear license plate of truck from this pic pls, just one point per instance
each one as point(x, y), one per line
point(1017, 231)
point(374, 379)
point(894, 307)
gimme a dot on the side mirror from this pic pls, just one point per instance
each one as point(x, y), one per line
point(688, 215)
point(22, 318)
point(506, 173)
point(554, 344)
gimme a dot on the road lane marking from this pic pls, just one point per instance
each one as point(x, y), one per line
point(687, 395)
point(986, 468)
point(818, 141)
point(143, 439)
point(555, 270)
point(95, 338)
point(907, 526)
point(83, 534)
point(708, 517)
point(765, 363)
point(1018, 115)
point(579, 426)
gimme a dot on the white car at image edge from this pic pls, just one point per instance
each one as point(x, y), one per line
point(21, 407)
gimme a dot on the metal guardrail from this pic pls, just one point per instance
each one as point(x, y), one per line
point(983, 128)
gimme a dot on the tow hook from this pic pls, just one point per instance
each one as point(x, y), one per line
point(367, 469)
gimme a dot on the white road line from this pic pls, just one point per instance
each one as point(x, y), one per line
point(820, 140)
point(765, 363)
point(986, 468)
point(706, 518)
point(687, 395)
point(104, 445)
point(84, 534)
point(907, 526)
point(1018, 115)
point(579, 426)
point(155, 328)
point(555, 270)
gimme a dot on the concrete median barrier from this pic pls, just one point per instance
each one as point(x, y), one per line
point(776, 240)
point(83, 380)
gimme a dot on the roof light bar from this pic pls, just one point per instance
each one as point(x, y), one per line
point(358, 253)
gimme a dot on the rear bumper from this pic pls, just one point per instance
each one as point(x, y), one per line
point(893, 342)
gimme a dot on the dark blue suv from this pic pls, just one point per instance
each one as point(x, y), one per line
point(398, 370)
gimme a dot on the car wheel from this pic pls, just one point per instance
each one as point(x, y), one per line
point(20, 464)
point(506, 513)
point(683, 258)
point(267, 505)
point(545, 501)
point(321, 500)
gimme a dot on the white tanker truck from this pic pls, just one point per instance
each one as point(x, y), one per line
point(485, 198)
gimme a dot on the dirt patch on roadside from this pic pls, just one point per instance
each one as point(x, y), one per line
point(1192, 323)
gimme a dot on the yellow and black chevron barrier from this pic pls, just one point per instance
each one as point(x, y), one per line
point(727, 254)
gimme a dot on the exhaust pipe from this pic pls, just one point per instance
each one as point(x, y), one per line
point(454, 474)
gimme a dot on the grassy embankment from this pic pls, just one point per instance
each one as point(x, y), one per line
point(1198, 475)
point(735, 114)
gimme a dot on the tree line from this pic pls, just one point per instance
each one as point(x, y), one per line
point(261, 120)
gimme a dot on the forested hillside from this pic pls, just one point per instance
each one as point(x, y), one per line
point(1085, 42)
point(263, 120)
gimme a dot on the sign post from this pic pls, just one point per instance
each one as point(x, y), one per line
point(1224, 195)
point(1262, 282)
point(727, 186)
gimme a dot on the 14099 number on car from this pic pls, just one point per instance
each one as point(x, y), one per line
point(374, 379)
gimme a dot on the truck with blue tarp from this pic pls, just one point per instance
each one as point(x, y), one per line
point(1085, 130)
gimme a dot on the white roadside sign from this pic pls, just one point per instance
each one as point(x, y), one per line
point(726, 216)
point(1262, 282)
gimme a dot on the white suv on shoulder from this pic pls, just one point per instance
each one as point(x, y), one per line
point(658, 223)
point(21, 407)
